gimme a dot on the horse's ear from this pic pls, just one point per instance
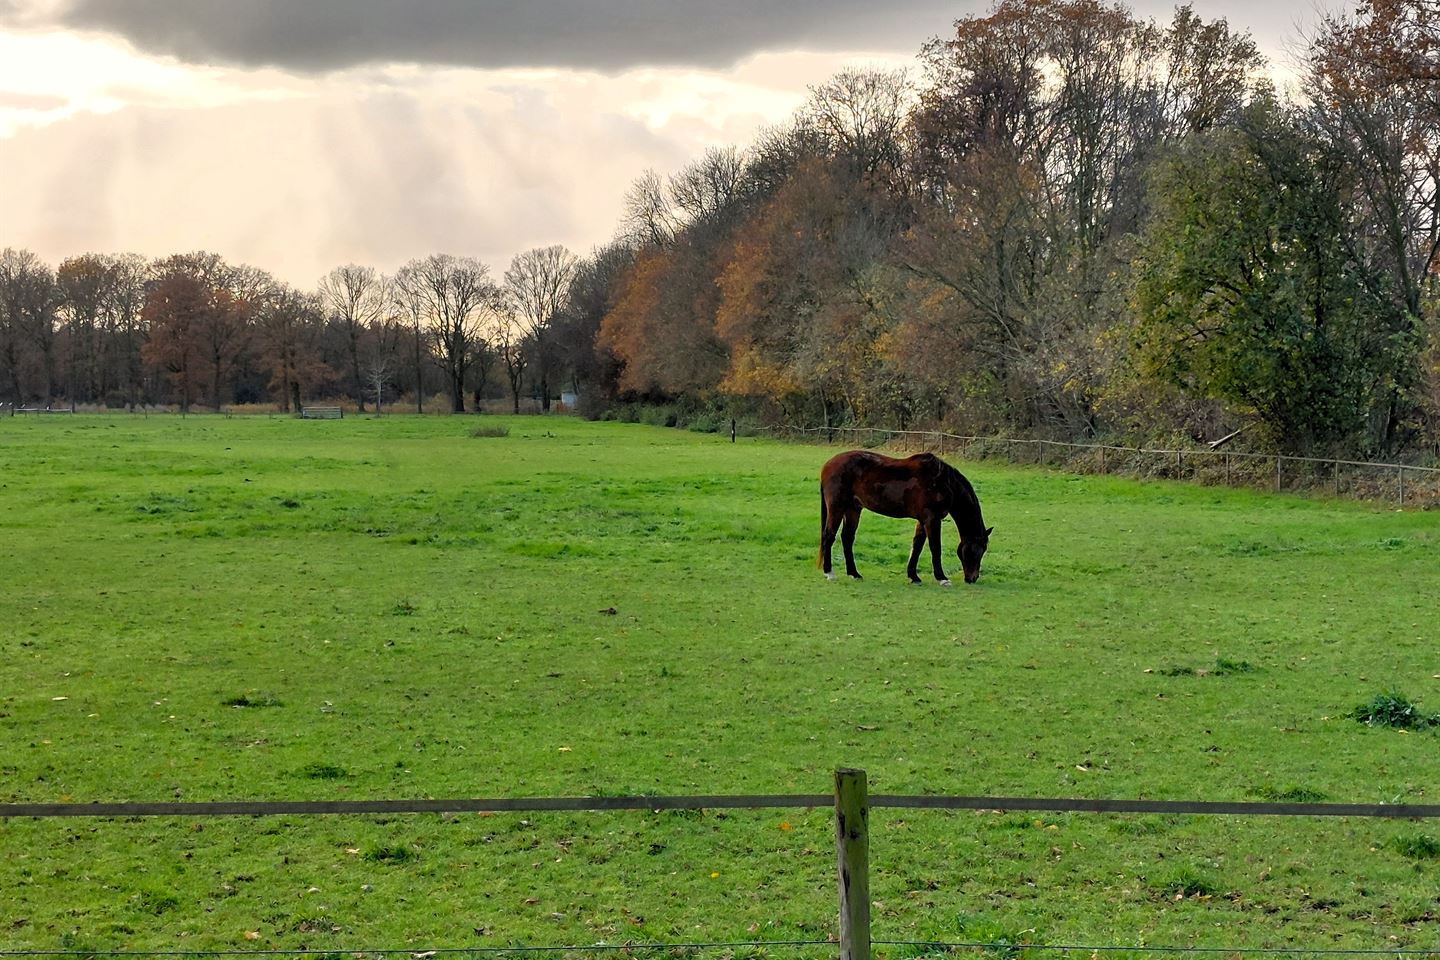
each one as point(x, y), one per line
point(989, 530)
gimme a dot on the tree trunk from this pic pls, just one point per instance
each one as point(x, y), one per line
point(355, 369)
point(419, 375)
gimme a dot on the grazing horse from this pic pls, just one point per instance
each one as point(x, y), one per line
point(923, 488)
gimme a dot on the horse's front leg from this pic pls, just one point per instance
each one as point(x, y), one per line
point(932, 530)
point(915, 547)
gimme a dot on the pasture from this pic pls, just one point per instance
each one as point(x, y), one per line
point(223, 609)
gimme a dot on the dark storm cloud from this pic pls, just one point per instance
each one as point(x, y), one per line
point(321, 35)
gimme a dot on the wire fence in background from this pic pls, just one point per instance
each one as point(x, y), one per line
point(1405, 485)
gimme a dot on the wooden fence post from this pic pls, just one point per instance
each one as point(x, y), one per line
point(1402, 486)
point(1278, 461)
point(852, 853)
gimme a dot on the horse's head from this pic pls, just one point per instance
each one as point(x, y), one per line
point(970, 551)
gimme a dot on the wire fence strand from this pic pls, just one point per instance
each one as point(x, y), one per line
point(1407, 484)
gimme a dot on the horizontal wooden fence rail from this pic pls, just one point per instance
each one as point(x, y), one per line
point(851, 801)
point(1107, 452)
point(263, 808)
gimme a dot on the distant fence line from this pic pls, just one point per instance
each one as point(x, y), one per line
point(1406, 484)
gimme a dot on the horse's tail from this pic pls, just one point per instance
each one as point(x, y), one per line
point(824, 518)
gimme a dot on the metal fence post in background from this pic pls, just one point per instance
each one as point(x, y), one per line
point(852, 854)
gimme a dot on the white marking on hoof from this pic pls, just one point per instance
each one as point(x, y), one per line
point(946, 583)
point(829, 576)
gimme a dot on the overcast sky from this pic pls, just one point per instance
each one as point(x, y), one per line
point(299, 135)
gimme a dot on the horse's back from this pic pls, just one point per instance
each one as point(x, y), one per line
point(894, 487)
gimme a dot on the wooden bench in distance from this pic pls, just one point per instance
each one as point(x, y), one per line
point(321, 413)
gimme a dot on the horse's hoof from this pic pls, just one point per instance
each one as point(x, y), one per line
point(829, 576)
point(856, 576)
point(946, 583)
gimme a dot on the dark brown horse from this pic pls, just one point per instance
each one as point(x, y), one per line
point(923, 488)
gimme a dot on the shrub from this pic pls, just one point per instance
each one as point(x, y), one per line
point(1418, 846)
point(1290, 794)
point(1188, 882)
point(397, 854)
point(316, 770)
point(245, 700)
point(1393, 709)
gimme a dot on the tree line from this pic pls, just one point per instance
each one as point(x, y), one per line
point(1072, 222)
point(192, 329)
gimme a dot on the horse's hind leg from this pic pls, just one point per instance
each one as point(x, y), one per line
point(847, 540)
point(915, 548)
point(829, 526)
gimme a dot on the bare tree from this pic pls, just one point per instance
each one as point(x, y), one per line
point(649, 219)
point(537, 285)
point(288, 326)
point(81, 284)
point(862, 113)
point(379, 368)
point(124, 310)
point(449, 296)
point(706, 189)
point(355, 298)
point(27, 321)
point(508, 337)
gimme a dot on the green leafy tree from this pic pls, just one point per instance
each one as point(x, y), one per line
point(1244, 291)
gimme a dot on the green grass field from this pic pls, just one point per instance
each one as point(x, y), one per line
point(225, 609)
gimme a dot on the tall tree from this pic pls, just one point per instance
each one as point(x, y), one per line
point(507, 336)
point(27, 324)
point(124, 311)
point(82, 285)
point(1374, 92)
point(287, 327)
point(176, 303)
point(594, 371)
point(1246, 293)
point(451, 297)
point(537, 284)
point(355, 298)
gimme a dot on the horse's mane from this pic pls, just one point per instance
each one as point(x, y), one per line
point(965, 505)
